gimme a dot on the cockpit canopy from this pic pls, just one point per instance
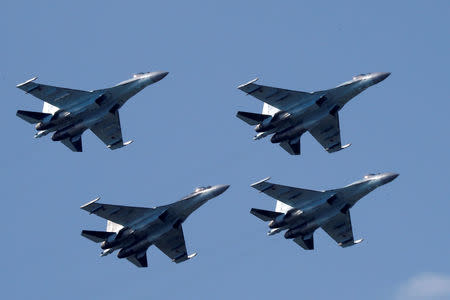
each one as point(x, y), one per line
point(201, 188)
point(196, 191)
point(135, 77)
point(359, 76)
point(140, 74)
point(369, 176)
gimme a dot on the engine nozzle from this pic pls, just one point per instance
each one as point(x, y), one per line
point(60, 135)
point(273, 122)
point(40, 126)
point(105, 245)
point(125, 252)
point(288, 134)
point(291, 234)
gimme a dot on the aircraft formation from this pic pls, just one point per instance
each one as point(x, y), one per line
point(286, 116)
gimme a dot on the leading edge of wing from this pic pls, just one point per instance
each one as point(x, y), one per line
point(280, 98)
point(56, 96)
point(123, 215)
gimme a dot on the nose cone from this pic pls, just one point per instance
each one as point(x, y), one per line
point(157, 76)
point(219, 189)
point(388, 177)
point(378, 77)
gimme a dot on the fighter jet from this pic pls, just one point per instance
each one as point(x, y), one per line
point(135, 229)
point(69, 112)
point(288, 114)
point(301, 211)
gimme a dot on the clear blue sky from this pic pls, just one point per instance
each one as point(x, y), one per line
point(186, 134)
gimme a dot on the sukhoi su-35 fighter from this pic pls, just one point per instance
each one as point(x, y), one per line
point(288, 114)
point(68, 113)
point(135, 229)
point(301, 211)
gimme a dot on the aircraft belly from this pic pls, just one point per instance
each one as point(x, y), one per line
point(65, 123)
point(319, 212)
point(146, 235)
point(154, 233)
point(121, 97)
point(343, 96)
point(302, 111)
point(299, 122)
point(312, 221)
point(308, 120)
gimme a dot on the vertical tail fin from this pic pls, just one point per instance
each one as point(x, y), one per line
point(282, 207)
point(113, 227)
point(49, 109)
point(269, 109)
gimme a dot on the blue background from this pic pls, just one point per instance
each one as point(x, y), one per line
point(186, 134)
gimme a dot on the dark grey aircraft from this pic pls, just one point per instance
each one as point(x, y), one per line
point(301, 211)
point(135, 229)
point(288, 114)
point(69, 112)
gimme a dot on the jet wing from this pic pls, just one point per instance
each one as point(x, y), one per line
point(139, 259)
point(57, 96)
point(280, 98)
point(75, 144)
point(340, 229)
point(123, 215)
point(108, 130)
point(328, 133)
point(295, 197)
point(173, 245)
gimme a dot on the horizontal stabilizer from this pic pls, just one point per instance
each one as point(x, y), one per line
point(305, 243)
point(96, 236)
point(292, 146)
point(31, 117)
point(265, 215)
point(251, 118)
point(139, 260)
point(75, 144)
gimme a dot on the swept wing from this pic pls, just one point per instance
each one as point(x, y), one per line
point(340, 229)
point(109, 131)
point(282, 99)
point(123, 215)
point(292, 196)
point(328, 133)
point(56, 96)
point(173, 244)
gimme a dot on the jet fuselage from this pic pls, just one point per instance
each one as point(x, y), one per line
point(147, 230)
point(304, 221)
point(74, 120)
point(299, 118)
